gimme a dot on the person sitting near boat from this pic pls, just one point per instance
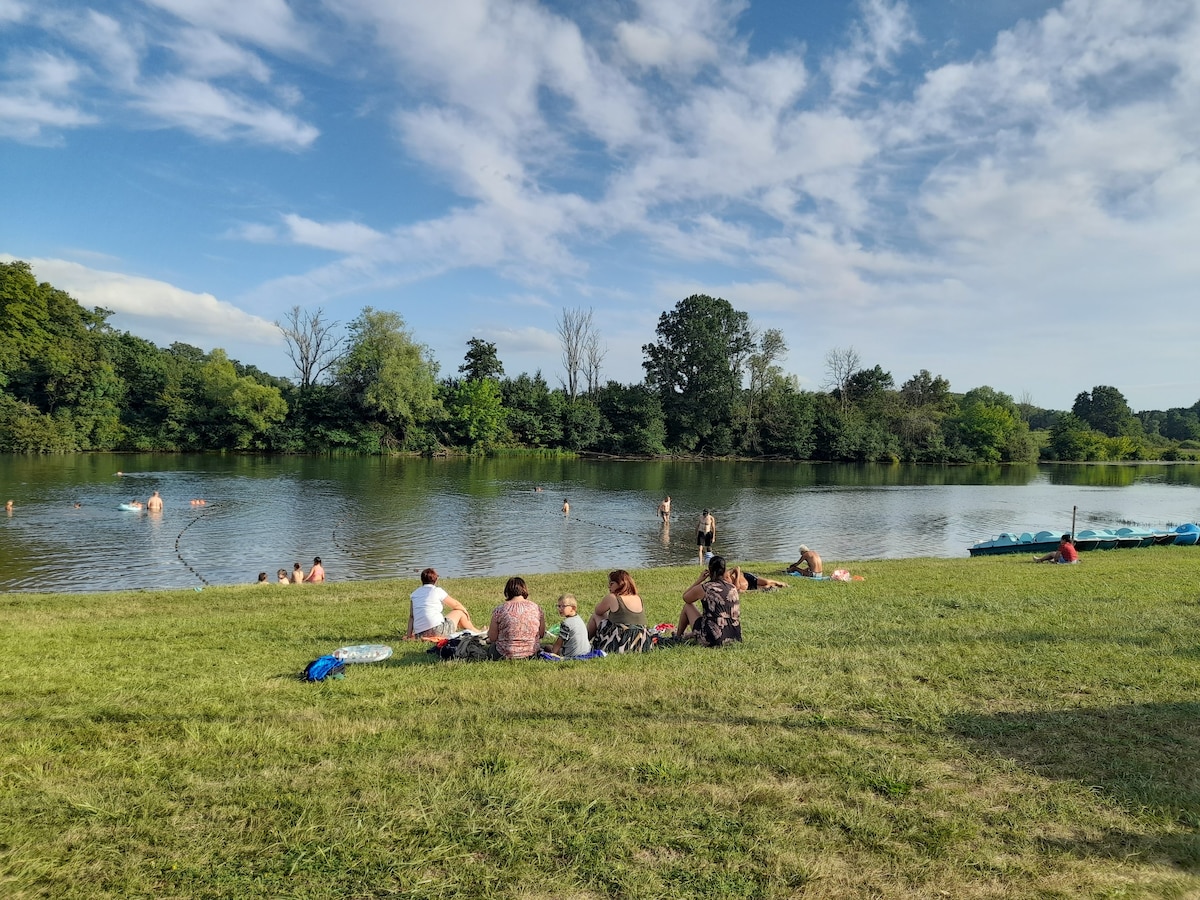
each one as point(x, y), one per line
point(719, 621)
point(1066, 552)
point(748, 581)
point(808, 565)
point(433, 613)
point(517, 625)
point(620, 606)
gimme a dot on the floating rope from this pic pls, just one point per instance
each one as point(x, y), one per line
point(179, 538)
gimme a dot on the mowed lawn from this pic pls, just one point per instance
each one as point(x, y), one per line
point(946, 728)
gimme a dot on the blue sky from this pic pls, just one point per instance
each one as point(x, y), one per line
point(1005, 193)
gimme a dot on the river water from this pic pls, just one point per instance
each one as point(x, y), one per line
point(381, 518)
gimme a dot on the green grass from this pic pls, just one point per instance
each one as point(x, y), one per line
point(946, 728)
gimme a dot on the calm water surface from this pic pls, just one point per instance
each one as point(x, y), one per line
point(380, 518)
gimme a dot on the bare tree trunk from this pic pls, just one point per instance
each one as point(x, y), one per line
point(840, 366)
point(595, 356)
point(574, 331)
point(312, 344)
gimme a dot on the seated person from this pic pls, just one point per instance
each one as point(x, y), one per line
point(719, 622)
point(748, 581)
point(620, 606)
point(283, 577)
point(262, 578)
point(572, 631)
point(317, 573)
point(518, 624)
point(1066, 552)
point(809, 563)
point(433, 613)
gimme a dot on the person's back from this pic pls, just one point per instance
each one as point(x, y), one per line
point(517, 624)
point(154, 504)
point(427, 607)
point(317, 573)
point(624, 615)
point(297, 574)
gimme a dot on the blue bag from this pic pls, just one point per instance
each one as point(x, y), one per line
point(324, 667)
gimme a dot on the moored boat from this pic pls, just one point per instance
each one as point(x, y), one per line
point(1088, 539)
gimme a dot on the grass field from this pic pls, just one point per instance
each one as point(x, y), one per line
point(945, 728)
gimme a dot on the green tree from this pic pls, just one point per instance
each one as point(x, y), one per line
point(531, 414)
point(632, 420)
point(696, 368)
point(476, 412)
point(990, 426)
point(1072, 439)
point(481, 361)
point(764, 372)
point(1105, 410)
point(387, 375)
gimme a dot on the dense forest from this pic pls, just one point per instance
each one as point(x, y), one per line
point(713, 386)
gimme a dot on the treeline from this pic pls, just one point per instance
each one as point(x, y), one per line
point(713, 385)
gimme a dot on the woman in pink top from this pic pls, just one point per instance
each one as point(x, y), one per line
point(517, 625)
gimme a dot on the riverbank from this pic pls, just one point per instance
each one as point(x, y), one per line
point(966, 728)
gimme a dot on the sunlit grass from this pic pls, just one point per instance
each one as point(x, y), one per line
point(960, 728)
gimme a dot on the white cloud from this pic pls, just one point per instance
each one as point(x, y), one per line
point(12, 11)
point(36, 99)
point(267, 23)
point(212, 112)
point(341, 237)
point(154, 305)
point(885, 29)
point(205, 55)
point(678, 36)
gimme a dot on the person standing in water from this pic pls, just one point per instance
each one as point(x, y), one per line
point(154, 504)
point(706, 533)
point(566, 507)
point(664, 510)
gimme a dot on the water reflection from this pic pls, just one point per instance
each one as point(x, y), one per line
point(373, 518)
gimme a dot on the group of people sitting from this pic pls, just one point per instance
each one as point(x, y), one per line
point(710, 616)
point(315, 575)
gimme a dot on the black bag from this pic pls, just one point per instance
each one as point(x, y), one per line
point(472, 648)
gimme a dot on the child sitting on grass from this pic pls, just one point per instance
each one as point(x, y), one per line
point(572, 631)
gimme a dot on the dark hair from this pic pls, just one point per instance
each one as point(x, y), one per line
point(262, 576)
point(1066, 538)
point(316, 560)
point(624, 582)
point(515, 587)
point(429, 576)
point(716, 568)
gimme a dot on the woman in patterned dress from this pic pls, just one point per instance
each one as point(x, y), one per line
point(719, 622)
point(517, 625)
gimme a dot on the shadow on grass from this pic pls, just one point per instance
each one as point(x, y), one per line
point(1144, 758)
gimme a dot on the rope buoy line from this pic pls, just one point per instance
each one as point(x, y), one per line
point(179, 537)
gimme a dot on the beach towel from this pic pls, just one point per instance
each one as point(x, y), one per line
point(554, 657)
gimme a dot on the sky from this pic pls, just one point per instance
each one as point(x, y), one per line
point(1004, 193)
